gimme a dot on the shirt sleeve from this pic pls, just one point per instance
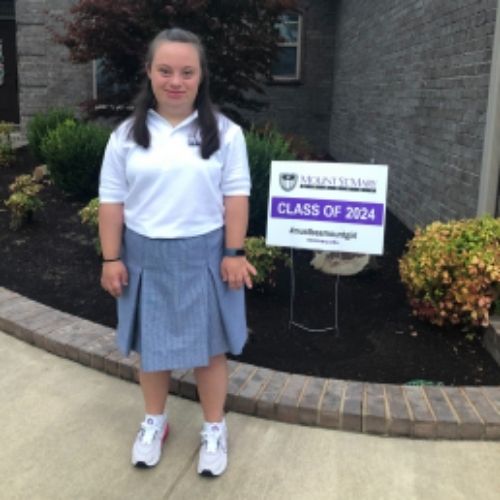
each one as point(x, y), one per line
point(112, 182)
point(235, 172)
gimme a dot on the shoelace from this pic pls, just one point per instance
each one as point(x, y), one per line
point(211, 440)
point(148, 433)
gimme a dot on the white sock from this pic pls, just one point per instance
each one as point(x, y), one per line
point(220, 424)
point(156, 420)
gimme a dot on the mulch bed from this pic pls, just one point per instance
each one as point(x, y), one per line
point(53, 261)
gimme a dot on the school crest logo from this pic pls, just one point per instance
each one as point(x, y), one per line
point(288, 181)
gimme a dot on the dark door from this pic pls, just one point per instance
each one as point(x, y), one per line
point(9, 99)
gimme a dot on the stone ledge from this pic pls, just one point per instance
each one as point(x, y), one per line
point(382, 409)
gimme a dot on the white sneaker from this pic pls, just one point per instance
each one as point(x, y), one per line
point(146, 451)
point(213, 451)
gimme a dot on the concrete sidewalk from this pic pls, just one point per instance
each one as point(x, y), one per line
point(67, 432)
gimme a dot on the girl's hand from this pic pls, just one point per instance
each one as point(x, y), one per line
point(114, 277)
point(237, 271)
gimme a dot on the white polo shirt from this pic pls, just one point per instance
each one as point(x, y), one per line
point(168, 190)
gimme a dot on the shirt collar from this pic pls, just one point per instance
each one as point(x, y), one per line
point(156, 116)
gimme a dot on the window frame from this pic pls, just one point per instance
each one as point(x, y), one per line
point(94, 79)
point(296, 78)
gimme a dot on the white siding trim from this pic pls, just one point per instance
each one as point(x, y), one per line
point(490, 169)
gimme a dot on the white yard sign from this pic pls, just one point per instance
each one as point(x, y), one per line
point(335, 207)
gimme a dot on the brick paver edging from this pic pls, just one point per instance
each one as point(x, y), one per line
point(384, 409)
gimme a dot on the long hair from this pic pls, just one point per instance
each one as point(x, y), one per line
point(145, 98)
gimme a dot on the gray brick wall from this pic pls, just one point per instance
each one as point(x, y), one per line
point(303, 108)
point(410, 89)
point(46, 79)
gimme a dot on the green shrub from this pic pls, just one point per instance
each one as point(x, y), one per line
point(24, 201)
point(265, 260)
point(6, 150)
point(89, 215)
point(263, 147)
point(74, 151)
point(452, 270)
point(41, 124)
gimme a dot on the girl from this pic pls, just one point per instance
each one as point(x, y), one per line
point(173, 216)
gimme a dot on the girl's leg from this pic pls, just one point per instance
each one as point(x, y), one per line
point(212, 387)
point(148, 443)
point(154, 387)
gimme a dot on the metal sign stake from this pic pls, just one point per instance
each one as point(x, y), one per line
point(291, 321)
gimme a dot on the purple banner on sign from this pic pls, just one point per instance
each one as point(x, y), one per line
point(348, 212)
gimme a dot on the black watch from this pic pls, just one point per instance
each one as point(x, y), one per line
point(234, 252)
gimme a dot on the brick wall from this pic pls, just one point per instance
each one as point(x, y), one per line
point(46, 79)
point(303, 108)
point(410, 89)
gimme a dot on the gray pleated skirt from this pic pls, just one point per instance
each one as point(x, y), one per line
point(176, 311)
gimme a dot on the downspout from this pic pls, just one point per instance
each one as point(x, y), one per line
point(488, 185)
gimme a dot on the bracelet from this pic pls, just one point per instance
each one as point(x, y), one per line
point(234, 252)
point(111, 260)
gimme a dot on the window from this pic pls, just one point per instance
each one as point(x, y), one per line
point(103, 87)
point(287, 65)
point(7, 11)
point(106, 90)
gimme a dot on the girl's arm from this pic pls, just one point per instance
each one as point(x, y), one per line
point(114, 274)
point(236, 271)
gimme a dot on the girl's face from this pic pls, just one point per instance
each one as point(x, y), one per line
point(175, 75)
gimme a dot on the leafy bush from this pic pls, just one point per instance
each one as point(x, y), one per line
point(265, 259)
point(90, 215)
point(6, 150)
point(452, 271)
point(74, 152)
point(263, 147)
point(24, 201)
point(41, 124)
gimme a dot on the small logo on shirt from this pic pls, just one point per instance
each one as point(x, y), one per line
point(194, 140)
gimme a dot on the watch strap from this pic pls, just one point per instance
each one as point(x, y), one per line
point(234, 252)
